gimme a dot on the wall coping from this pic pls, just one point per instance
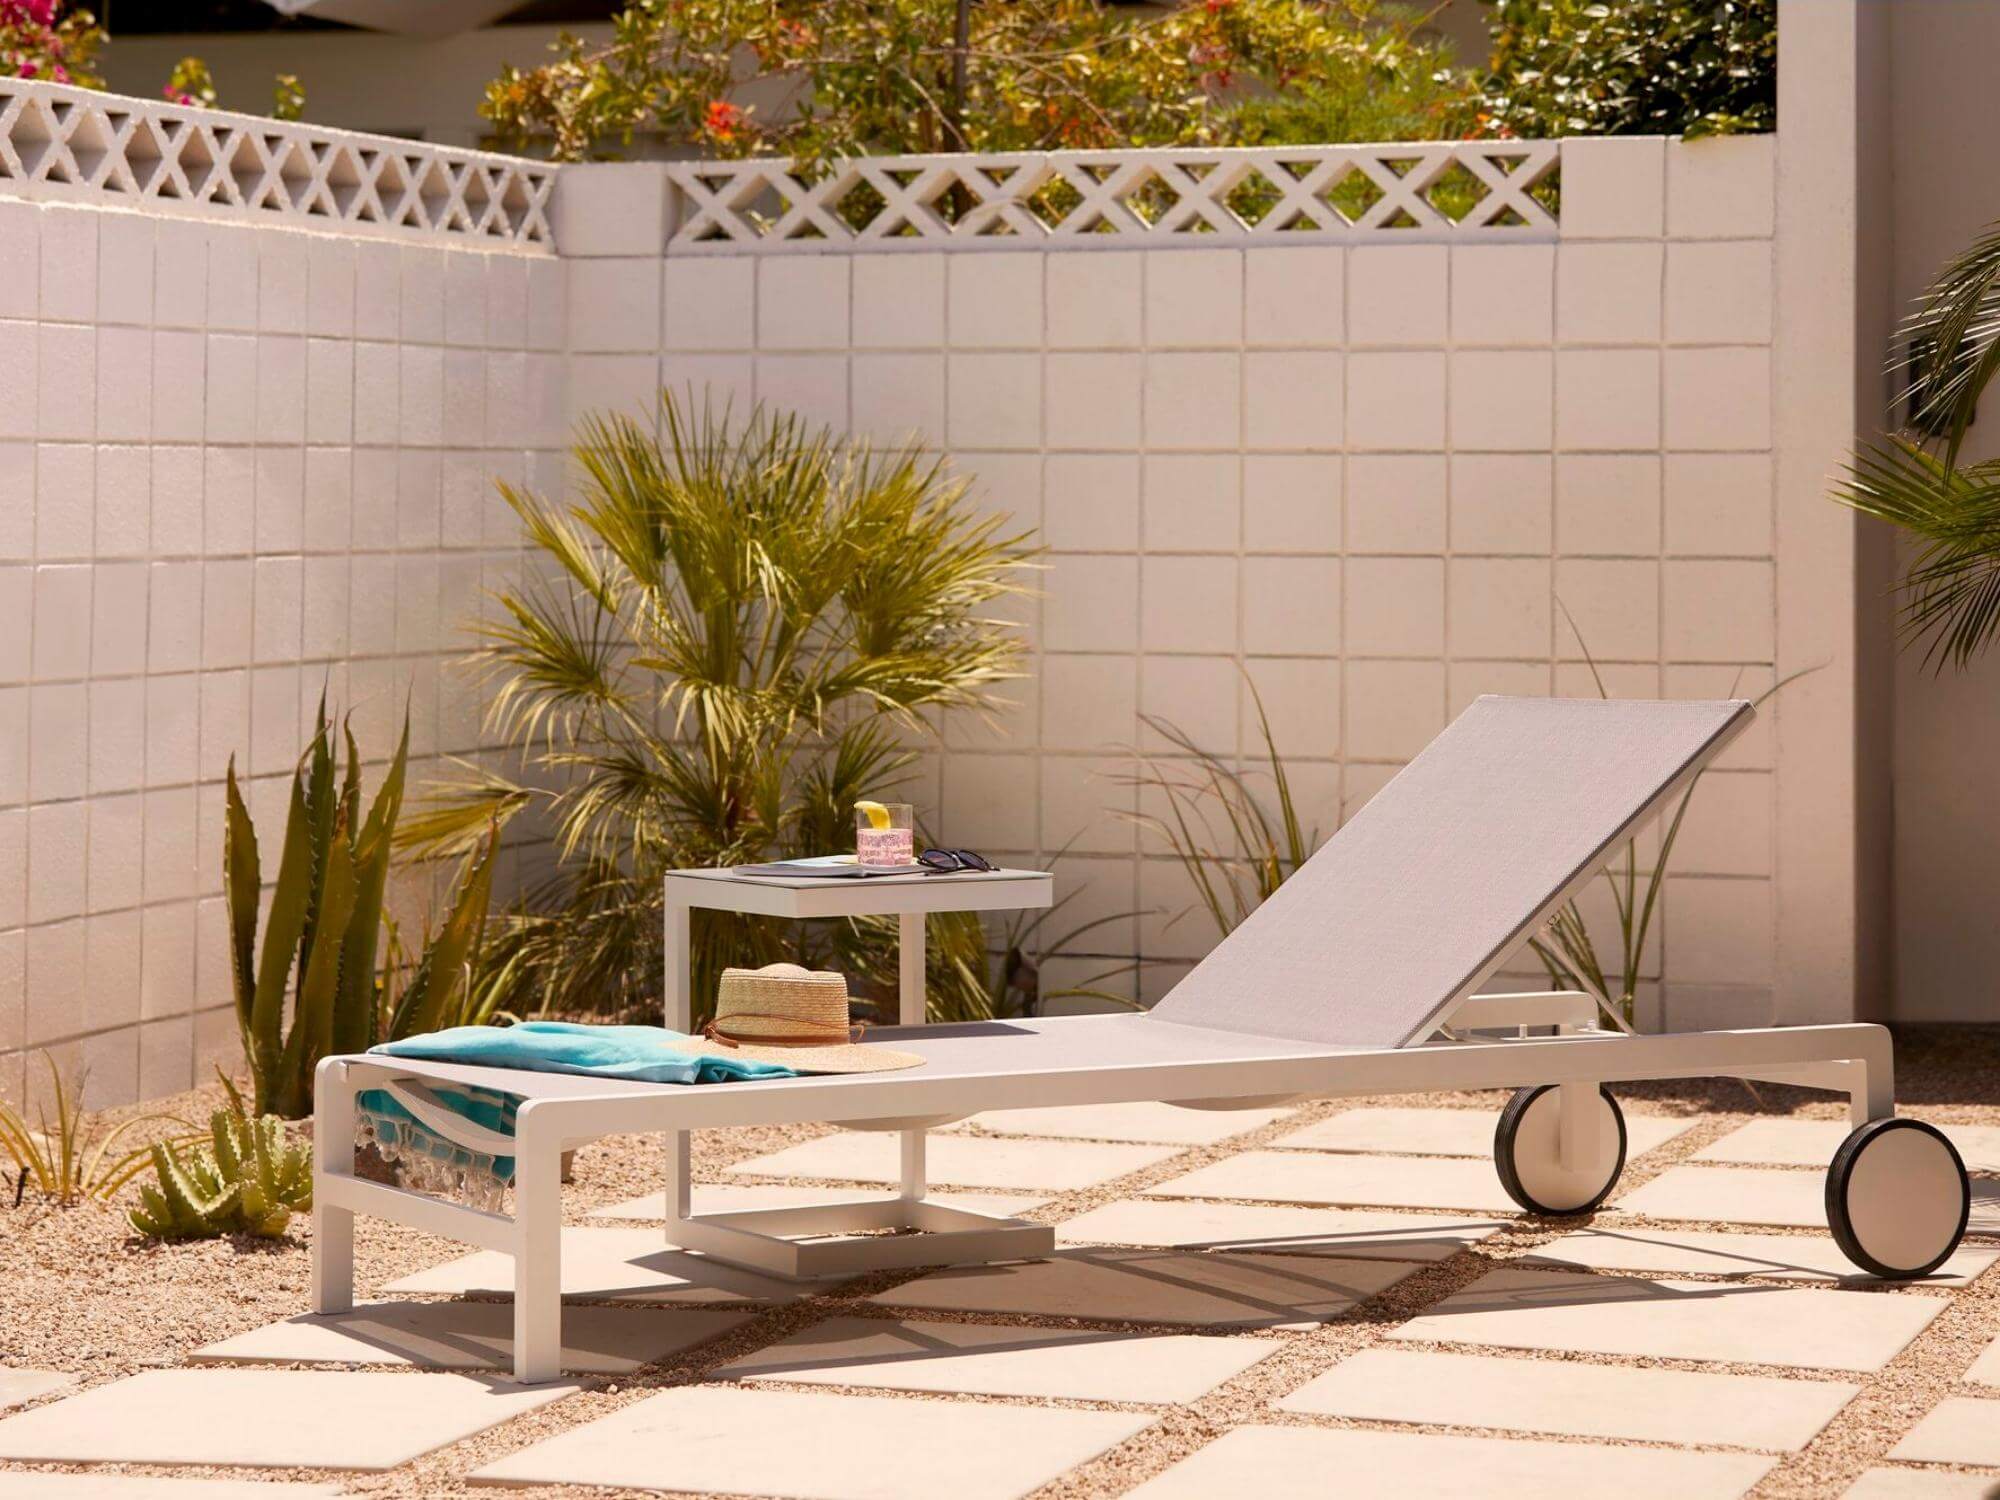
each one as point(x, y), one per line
point(59, 143)
point(1114, 199)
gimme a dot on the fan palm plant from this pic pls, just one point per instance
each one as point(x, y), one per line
point(740, 629)
point(1945, 354)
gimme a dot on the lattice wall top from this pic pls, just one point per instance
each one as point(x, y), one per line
point(1458, 190)
point(59, 142)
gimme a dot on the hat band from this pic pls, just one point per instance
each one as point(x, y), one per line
point(826, 1036)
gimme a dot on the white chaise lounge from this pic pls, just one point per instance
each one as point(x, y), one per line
point(1359, 976)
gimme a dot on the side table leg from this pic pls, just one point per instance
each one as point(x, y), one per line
point(912, 1012)
point(679, 960)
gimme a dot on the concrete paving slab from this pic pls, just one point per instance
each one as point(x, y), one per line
point(816, 1446)
point(1147, 1124)
point(959, 1160)
point(1696, 1408)
point(469, 1336)
point(1959, 1430)
point(734, 1197)
point(1731, 1195)
point(1800, 1327)
point(1920, 1484)
point(42, 1485)
point(306, 1419)
point(1214, 1290)
point(1445, 1132)
point(982, 1359)
point(1767, 1195)
point(1190, 1224)
point(1372, 1181)
point(1365, 1465)
point(1714, 1252)
point(1811, 1143)
point(629, 1265)
point(17, 1387)
point(1986, 1369)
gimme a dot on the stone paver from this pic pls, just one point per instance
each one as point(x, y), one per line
point(821, 1447)
point(628, 1265)
point(1714, 1252)
point(960, 1160)
point(1574, 1399)
point(19, 1386)
point(1375, 1181)
point(307, 1419)
point(1189, 1224)
point(1731, 1195)
point(1811, 1143)
point(1148, 1124)
point(1445, 1132)
point(43, 1485)
point(1802, 1327)
point(1358, 1464)
point(1766, 1195)
point(1919, 1484)
point(982, 1359)
point(1986, 1369)
point(734, 1197)
point(469, 1336)
point(1961, 1430)
point(1218, 1289)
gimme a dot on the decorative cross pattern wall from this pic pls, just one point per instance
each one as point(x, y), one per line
point(59, 142)
point(1451, 191)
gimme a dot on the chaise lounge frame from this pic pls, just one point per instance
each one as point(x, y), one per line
point(1465, 1041)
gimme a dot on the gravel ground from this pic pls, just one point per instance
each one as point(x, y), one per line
point(84, 1294)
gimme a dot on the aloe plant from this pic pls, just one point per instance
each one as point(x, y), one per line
point(251, 1178)
point(324, 927)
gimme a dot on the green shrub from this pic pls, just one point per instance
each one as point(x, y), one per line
point(745, 628)
point(1634, 67)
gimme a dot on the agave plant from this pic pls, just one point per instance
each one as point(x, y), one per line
point(1235, 850)
point(325, 923)
point(1568, 952)
point(744, 628)
point(1945, 353)
point(70, 1158)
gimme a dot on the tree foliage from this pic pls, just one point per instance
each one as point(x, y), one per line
point(1633, 67)
point(826, 78)
point(1945, 355)
point(41, 39)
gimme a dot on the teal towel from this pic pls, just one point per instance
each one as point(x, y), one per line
point(645, 1054)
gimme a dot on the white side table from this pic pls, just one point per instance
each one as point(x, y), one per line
point(789, 1241)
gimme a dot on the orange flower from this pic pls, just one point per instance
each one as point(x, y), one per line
point(722, 119)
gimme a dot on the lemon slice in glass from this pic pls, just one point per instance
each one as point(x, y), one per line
point(876, 814)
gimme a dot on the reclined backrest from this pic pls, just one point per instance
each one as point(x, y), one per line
point(1450, 868)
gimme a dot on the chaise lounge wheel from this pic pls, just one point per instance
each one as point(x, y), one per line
point(1897, 1198)
point(1525, 1152)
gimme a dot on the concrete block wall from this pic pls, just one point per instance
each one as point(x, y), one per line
point(238, 463)
point(1375, 477)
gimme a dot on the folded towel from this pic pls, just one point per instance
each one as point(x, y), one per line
point(645, 1054)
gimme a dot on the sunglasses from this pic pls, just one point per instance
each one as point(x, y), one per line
point(954, 861)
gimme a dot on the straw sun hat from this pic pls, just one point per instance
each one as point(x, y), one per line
point(782, 1013)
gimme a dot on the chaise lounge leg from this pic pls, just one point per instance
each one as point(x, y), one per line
point(537, 1252)
point(333, 1156)
point(1576, 1124)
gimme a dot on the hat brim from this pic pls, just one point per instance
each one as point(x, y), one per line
point(841, 1057)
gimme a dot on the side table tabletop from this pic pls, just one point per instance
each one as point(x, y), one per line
point(790, 1242)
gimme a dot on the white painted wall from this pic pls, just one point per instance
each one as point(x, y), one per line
point(1947, 724)
point(236, 463)
point(1362, 474)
